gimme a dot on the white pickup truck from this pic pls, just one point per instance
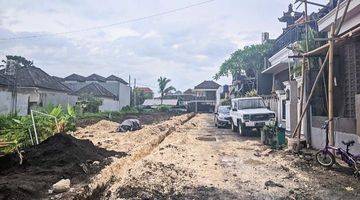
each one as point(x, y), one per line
point(249, 113)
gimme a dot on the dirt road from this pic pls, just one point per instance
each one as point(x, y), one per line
point(203, 162)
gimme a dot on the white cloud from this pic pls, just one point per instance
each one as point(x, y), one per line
point(186, 46)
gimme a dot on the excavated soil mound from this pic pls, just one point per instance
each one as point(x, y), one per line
point(60, 156)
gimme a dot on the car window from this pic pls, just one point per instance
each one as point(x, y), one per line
point(251, 103)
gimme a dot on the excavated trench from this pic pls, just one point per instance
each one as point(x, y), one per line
point(101, 184)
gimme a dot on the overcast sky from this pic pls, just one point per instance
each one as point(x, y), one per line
point(186, 46)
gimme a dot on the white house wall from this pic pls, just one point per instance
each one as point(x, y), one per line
point(124, 97)
point(58, 98)
point(109, 105)
point(5, 102)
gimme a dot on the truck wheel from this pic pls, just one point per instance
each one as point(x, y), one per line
point(233, 127)
point(242, 130)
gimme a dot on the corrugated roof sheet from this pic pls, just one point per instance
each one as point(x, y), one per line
point(157, 102)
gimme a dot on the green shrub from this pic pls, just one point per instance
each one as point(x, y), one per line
point(16, 129)
point(163, 108)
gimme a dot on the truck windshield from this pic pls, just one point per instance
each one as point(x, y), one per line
point(251, 103)
point(224, 109)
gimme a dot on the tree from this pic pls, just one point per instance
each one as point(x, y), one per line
point(22, 62)
point(163, 81)
point(141, 96)
point(248, 61)
point(89, 103)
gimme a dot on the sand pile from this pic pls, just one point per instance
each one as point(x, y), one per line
point(60, 156)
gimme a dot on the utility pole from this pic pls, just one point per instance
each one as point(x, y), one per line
point(331, 86)
point(307, 121)
point(135, 103)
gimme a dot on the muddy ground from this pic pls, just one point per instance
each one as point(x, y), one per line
point(187, 157)
point(200, 161)
point(71, 156)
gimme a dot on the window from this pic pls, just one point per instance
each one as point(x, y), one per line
point(283, 110)
point(251, 103)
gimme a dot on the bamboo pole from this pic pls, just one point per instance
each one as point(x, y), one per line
point(311, 93)
point(342, 18)
point(331, 87)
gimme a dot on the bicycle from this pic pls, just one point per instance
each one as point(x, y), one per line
point(325, 157)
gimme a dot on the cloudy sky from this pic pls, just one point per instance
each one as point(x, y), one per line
point(186, 46)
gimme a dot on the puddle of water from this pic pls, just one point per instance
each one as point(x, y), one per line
point(208, 139)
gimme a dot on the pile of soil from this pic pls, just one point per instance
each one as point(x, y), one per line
point(60, 156)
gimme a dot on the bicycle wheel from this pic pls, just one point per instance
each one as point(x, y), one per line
point(325, 159)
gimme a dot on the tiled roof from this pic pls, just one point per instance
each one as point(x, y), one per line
point(36, 77)
point(207, 85)
point(58, 78)
point(95, 77)
point(75, 77)
point(96, 90)
point(4, 80)
point(144, 89)
point(115, 78)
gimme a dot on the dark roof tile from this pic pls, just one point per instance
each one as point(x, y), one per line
point(75, 77)
point(207, 85)
point(95, 77)
point(96, 90)
point(115, 78)
point(36, 77)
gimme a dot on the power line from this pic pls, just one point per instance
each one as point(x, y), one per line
point(110, 25)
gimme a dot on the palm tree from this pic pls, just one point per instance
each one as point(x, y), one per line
point(163, 81)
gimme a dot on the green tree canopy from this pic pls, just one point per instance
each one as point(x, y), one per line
point(163, 81)
point(21, 61)
point(248, 61)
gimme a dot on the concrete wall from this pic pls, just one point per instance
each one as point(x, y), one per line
point(345, 129)
point(109, 105)
point(125, 93)
point(57, 98)
point(120, 90)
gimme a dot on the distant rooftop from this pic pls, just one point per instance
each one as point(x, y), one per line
point(145, 89)
point(115, 78)
point(74, 77)
point(96, 90)
point(95, 77)
point(31, 76)
point(208, 85)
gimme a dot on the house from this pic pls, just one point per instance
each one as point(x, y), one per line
point(145, 90)
point(116, 85)
point(347, 80)
point(109, 100)
point(222, 94)
point(282, 73)
point(205, 93)
point(34, 87)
